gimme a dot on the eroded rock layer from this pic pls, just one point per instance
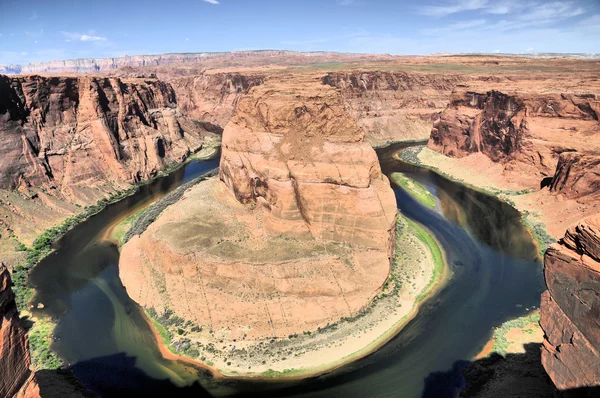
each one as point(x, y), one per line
point(67, 131)
point(68, 142)
point(571, 308)
point(295, 235)
point(14, 346)
point(530, 128)
point(394, 106)
point(292, 148)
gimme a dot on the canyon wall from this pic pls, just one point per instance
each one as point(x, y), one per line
point(394, 106)
point(531, 129)
point(14, 347)
point(69, 141)
point(212, 97)
point(571, 308)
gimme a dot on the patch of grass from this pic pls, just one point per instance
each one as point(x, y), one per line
point(125, 225)
point(501, 343)
point(436, 252)
point(539, 233)
point(42, 357)
point(276, 373)
point(165, 335)
point(415, 190)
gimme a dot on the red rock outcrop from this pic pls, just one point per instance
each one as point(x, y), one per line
point(570, 310)
point(293, 148)
point(14, 346)
point(70, 132)
point(212, 97)
point(577, 175)
point(394, 106)
point(295, 235)
point(529, 128)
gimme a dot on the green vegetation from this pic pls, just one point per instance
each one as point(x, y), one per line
point(125, 225)
point(39, 344)
point(536, 228)
point(285, 372)
point(415, 190)
point(501, 343)
point(539, 233)
point(438, 258)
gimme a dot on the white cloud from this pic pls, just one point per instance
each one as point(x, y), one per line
point(345, 2)
point(74, 36)
point(453, 7)
point(91, 38)
point(187, 39)
point(211, 1)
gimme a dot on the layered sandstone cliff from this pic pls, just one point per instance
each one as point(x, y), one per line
point(14, 349)
point(571, 308)
point(394, 106)
point(69, 141)
point(532, 129)
point(296, 235)
point(212, 96)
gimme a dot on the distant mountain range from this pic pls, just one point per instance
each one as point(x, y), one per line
point(98, 65)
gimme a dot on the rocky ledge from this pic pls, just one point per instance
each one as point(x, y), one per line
point(570, 310)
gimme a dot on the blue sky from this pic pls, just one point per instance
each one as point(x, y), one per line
point(43, 30)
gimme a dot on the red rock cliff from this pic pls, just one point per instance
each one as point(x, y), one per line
point(394, 106)
point(14, 348)
point(293, 148)
point(571, 307)
point(70, 132)
point(529, 128)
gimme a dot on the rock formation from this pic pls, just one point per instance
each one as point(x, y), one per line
point(212, 96)
point(69, 141)
point(73, 132)
point(14, 348)
point(394, 106)
point(297, 236)
point(577, 175)
point(571, 308)
point(529, 128)
point(300, 155)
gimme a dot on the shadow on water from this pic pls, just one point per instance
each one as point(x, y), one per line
point(511, 376)
point(495, 276)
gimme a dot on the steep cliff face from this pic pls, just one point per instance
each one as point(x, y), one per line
point(70, 132)
point(70, 141)
point(292, 147)
point(529, 128)
point(577, 175)
point(14, 349)
point(571, 307)
point(212, 97)
point(394, 106)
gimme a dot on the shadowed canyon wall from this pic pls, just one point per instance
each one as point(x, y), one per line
point(14, 346)
point(529, 128)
